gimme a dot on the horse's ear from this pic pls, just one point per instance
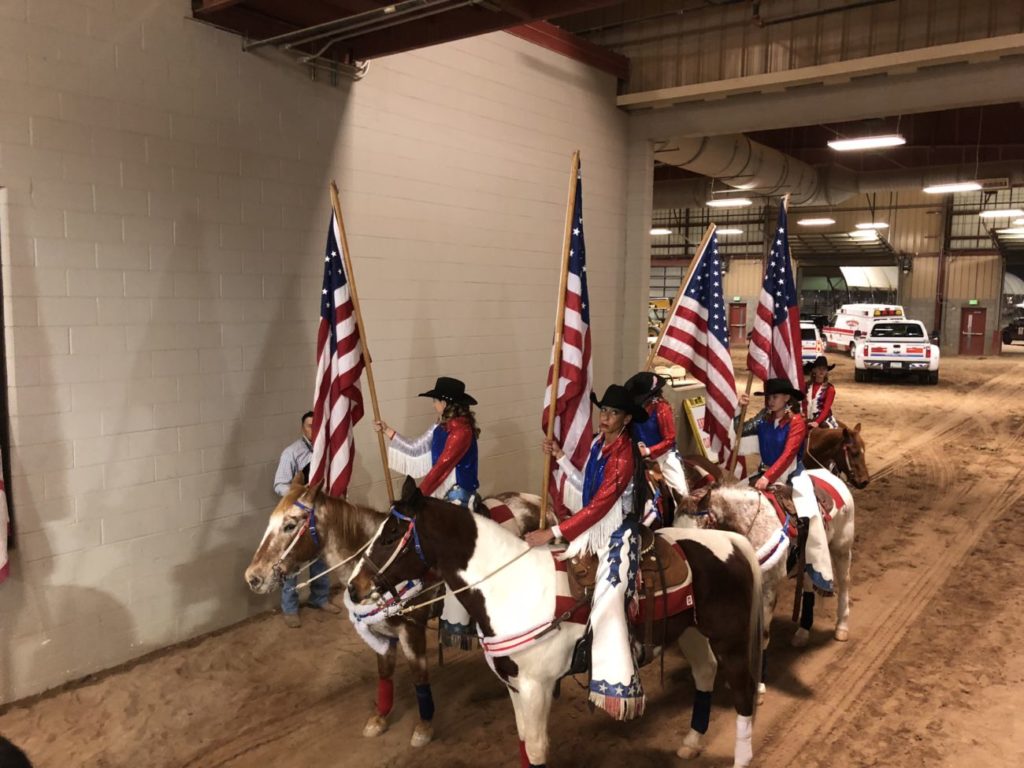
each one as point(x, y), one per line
point(298, 481)
point(857, 428)
point(846, 434)
point(410, 491)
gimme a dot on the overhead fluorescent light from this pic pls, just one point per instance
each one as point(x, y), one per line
point(1019, 223)
point(729, 202)
point(823, 222)
point(957, 186)
point(1002, 213)
point(729, 231)
point(872, 225)
point(661, 231)
point(1011, 231)
point(867, 142)
point(863, 234)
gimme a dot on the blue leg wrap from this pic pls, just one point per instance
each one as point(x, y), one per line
point(807, 611)
point(701, 711)
point(425, 701)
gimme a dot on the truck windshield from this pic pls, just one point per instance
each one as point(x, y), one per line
point(807, 334)
point(897, 331)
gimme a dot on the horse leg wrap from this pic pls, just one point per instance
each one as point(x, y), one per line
point(385, 696)
point(425, 701)
point(701, 711)
point(807, 611)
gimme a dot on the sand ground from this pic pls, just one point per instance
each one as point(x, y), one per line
point(931, 676)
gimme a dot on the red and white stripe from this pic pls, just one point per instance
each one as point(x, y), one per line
point(573, 429)
point(338, 403)
point(775, 349)
point(687, 343)
point(5, 532)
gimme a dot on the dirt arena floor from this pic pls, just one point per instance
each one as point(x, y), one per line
point(932, 674)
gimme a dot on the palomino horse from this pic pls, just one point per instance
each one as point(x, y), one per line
point(742, 509)
point(511, 591)
point(841, 451)
point(307, 524)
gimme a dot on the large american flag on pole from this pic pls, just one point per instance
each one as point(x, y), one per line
point(697, 338)
point(774, 351)
point(338, 401)
point(573, 429)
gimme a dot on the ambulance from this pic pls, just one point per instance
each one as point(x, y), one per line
point(853, 322)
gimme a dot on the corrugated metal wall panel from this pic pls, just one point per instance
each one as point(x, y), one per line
point(921, 283)
point(974, 277)
point(714, 43)
point(743, 278)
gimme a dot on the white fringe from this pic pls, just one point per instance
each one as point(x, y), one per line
point(572, 497)
point(407, 464)
point(597, 536)
point(366, 617)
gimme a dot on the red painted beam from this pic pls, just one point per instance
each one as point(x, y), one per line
point(556, 39)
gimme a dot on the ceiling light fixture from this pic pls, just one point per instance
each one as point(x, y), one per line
point(1011, 231)
point(956, 186)
point(863, 234)
point(867, 142)
point(729, 231)
point(1003, 213)
point(729, 202)
point(824, 222)
point(661, 231)
point(872, 225)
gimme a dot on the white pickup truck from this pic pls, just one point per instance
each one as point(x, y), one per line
point(897, 347)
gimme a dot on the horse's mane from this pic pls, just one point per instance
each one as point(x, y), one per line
point(354, 522)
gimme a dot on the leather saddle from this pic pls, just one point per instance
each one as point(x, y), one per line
point(782, 495)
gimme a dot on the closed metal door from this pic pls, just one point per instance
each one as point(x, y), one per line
point(972, 331)
point(737, 322)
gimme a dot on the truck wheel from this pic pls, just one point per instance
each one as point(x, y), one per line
point(1007, 338)
point(922, 378)
point(933, 377)
point(853, 350)
point(859, 375)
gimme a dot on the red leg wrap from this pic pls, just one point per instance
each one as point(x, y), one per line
point(524, 761)
point(385, 696)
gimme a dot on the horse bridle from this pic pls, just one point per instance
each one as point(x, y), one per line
point(383, 584)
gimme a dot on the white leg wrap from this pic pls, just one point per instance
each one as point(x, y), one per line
point(744, 741)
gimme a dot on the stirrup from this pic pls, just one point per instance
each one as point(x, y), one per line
point(581, 655)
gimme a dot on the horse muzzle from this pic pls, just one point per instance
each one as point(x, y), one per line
point(260, 582)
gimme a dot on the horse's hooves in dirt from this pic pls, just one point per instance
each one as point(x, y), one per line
point(762, 690)
point(800, 638)
point(842, 634)
point(375, 726)
point(422, 735)
point(692, 746)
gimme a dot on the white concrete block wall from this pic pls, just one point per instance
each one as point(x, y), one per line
point(163, 205)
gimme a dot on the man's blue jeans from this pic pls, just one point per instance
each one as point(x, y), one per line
point(319, 590)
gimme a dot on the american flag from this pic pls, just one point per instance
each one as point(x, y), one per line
point(5, 532)
point(697, 338)
point(774, 351)
point(573, 429)
point(338, 400)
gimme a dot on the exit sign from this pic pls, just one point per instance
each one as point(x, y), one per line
point(972, 302)
point(735, 298)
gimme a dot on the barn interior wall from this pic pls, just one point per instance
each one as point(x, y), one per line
point(163, 231)
point(973, 278)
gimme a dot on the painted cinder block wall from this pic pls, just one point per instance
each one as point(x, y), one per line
point(163, 212)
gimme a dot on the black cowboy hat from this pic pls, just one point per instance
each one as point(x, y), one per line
point(620, 398)
point(645, 384)
point(819, 362)
point(780, 387)
point(450, 390)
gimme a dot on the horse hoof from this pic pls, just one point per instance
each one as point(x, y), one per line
point(422, 735)
point(761, 691)
point(842, 634)
point(375, 726)
point(800, 638)
point(688, 752)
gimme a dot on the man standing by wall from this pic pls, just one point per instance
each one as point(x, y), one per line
point(295, 458)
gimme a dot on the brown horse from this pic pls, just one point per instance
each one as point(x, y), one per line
point(307, 524)
point(840, 451)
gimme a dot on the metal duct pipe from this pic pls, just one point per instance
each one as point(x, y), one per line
point(747, 165)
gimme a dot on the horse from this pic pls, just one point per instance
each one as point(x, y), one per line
point(743, 509)
point(510, 590)
point(337, 531)
point(840, 451)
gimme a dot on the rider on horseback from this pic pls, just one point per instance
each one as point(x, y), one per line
point(605, 524)
point(781, 436)
point(656, 437)
point(820, 395)
point(445, 457)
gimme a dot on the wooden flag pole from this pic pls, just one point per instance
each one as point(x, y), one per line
point(739, 432)
point(556, 352)
point(367, 359)
point(679, 294)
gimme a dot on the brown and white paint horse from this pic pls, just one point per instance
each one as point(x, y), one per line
point(841, 451)
point(514, 592)
point(339, 531)
point(742, 509)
